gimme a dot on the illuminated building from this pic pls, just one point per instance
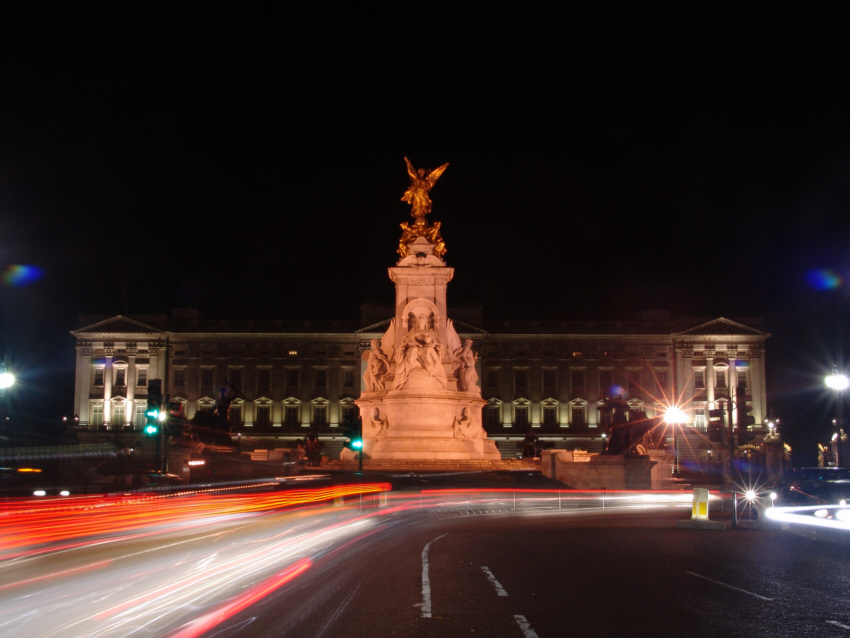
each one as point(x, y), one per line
point(292, 376)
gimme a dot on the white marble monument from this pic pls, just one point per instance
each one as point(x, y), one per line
point(421, 399)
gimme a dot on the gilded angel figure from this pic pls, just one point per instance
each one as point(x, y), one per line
point(421, 181)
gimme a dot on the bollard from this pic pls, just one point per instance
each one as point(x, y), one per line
point(700, 510)
point(699, 513)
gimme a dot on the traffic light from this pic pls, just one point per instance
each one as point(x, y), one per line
point(354, 432)
point(715, 425)
point(154, 407)
point(745, 419)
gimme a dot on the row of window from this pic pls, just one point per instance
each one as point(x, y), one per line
point(119, 378)
point(234, 378)
point(292, 413)
point(606, 378)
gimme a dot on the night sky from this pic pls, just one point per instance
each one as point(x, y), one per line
point(249, 162)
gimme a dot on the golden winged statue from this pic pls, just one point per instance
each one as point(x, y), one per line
point(421, 181)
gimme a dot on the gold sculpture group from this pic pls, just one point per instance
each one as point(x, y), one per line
point(421, 182)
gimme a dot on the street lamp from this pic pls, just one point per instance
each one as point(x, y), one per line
point(7, 379)
point(837, 383)
point(675, 417)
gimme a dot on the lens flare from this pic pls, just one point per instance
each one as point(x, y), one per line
point(824, 279)
point(19, 275)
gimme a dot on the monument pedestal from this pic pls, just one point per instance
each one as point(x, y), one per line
point(421, 398)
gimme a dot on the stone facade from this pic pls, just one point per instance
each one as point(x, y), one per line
point(294, 376)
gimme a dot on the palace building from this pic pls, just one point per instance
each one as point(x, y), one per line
point(555, 379)
point(287, 378)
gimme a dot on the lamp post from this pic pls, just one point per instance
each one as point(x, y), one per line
point(837, 383)
point(7, 380)
point(675, 417)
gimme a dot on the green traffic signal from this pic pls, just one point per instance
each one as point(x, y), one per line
point(151, 429)
point(357, 443)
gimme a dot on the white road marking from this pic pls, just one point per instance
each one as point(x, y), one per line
point(838, 624)
point(525, 626)
point(717, 582)
point(499, 589)
point(426, 580)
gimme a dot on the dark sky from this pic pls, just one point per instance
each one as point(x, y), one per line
point(249, 160)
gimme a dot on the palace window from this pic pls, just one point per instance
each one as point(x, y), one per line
point(549, 379)
point(699, 419)
point(142, 377)
point(98, 377)
point(742, 378)
point(118, 414)
point(577, 416)
point(320, 415)
point(290, 415)
point(321, 379)
point(264, 376)
point(493, 415)
point(699, 379)
point(263, 416)
point(349, 412)
point(606, 381)
point(577, 383)
point(96, 418)
point(550, 416)
point(521, 416)
point(120, 377)
point(661, 380)
point(207, 380)
point(521, 380)
point(139, 419)
point(292, 380)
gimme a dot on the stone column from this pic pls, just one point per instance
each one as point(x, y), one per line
point(107, 391)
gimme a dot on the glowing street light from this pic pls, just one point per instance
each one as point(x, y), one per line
point(675, 417)
point(7, 379)
point(837, 383)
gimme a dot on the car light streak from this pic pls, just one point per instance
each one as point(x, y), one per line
point(836, 517)
point(226, 551)
point(216, 617)
point(128, 601)
point(25, 525)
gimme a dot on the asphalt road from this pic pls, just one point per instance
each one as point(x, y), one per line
point(430, 562)
point(493, 574)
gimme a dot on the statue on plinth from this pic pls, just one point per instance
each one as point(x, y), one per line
point(421, 181)
point(420, 348)
point(378, 365)
point(467, 377)
point(410, 233)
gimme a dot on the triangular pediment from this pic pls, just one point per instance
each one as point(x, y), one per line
point(118, 325)
point(381, 326)
point(722, 326)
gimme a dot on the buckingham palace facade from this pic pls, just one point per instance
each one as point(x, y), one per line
point(289, 377)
